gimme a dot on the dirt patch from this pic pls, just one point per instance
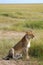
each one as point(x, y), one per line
point(11, 34)
point(18, 62)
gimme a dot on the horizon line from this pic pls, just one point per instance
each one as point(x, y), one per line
point(21, 3)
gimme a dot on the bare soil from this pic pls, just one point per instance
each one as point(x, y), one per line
point(11, 34)
point(17, 62)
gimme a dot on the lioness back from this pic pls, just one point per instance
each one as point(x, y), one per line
point(20, 44)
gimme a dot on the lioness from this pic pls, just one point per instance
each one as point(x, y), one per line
point(21, 48)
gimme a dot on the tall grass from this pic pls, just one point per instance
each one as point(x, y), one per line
point(5, 45)
point(22, 25)
point(36, 49)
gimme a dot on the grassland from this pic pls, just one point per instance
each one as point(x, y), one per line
point(22, 17)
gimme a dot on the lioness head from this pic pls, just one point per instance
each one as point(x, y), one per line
point(29, 35)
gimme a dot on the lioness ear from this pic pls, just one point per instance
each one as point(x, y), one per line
point(29, 32)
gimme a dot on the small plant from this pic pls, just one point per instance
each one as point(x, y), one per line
point(5, 14)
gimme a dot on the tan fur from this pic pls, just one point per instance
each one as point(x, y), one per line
point(21, 46)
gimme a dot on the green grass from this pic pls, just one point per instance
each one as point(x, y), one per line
point(22, 25)
point(36, 49)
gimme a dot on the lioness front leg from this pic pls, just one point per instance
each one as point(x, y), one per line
point(25, 53)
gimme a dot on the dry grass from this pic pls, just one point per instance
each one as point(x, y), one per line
point(21, 18)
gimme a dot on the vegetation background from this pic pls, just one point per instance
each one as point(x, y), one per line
point(21, 18)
